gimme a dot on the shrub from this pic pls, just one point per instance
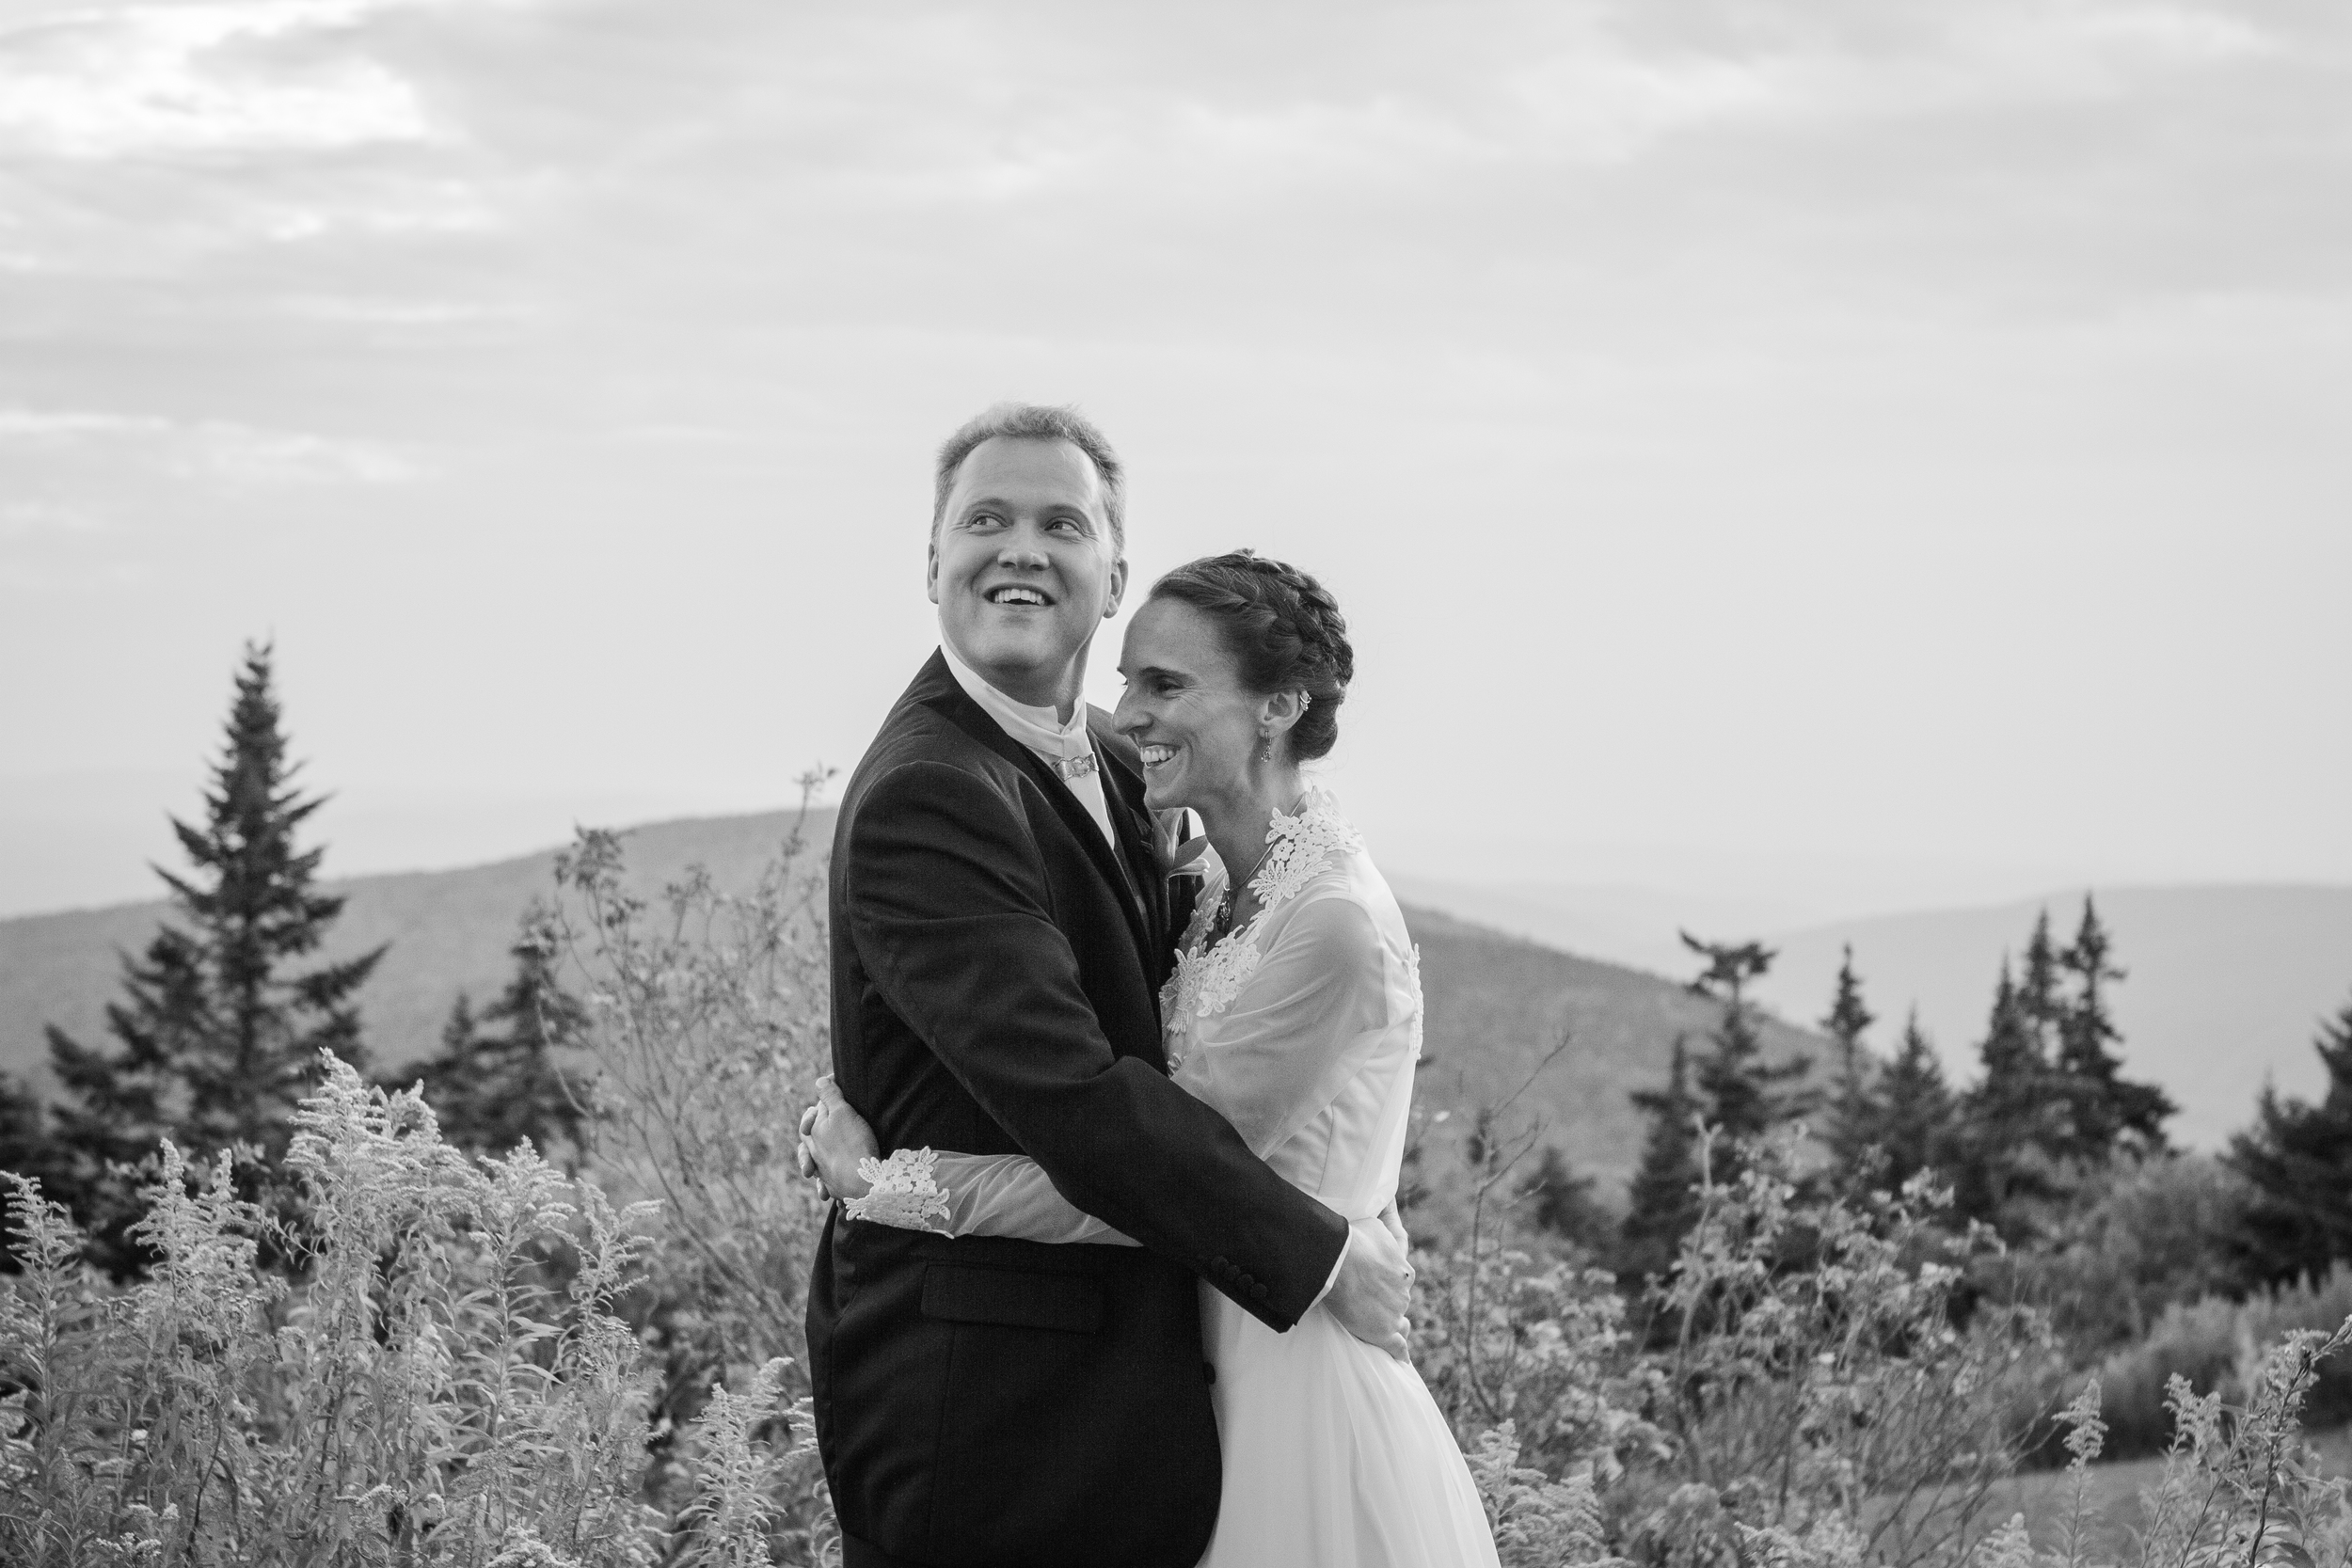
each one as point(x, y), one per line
point(2215, 1345)
point(444, 1382)
point(2138, 1237)
point(1808, 1390)
point(707, 1023)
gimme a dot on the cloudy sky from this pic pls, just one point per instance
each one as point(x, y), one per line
point(1847, 452)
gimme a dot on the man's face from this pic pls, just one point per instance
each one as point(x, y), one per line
point(1023, 566)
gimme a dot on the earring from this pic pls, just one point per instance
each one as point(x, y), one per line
point(1265, 746)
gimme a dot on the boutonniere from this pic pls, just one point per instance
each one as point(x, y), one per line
point(1179, 854)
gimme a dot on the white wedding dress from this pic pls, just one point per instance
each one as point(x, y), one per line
point(1302, 1028)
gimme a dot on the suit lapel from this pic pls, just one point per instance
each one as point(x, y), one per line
point(946, 695)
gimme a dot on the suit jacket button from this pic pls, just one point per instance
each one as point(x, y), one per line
point(1258, 1292)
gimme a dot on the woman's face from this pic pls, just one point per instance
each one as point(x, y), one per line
point(1185, 707)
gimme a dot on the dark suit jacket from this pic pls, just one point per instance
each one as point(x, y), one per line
point(996, 978)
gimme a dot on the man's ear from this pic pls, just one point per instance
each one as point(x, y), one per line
point(931, 569)
point(1118, 587)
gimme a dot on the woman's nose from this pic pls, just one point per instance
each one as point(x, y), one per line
point(1126, 718)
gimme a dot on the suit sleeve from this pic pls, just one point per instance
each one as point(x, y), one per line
point(950, 914)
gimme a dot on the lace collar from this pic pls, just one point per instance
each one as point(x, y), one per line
point(1207, 979)
point(1302, 846)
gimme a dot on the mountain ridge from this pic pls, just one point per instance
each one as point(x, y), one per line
point(2226, 985)
point(1496, 1002)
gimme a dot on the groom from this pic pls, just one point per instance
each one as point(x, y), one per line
point(1000, 933)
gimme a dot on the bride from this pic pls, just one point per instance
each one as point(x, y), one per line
point(1295, 1011)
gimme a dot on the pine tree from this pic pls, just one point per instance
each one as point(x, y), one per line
point(2107, 1109)
point(2012, 1054)
point(2039, 1005)
point(1854, 1107)
point(2012, 1121)
point(1739, 1093)
point(26, 1150)
point(2298, 1157)
point(492, 1090)
point(216, 1043)
point(1661, 1204)
point(1561, 1202)
point(1915, 1122)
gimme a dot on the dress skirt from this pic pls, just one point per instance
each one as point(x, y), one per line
point(1335, 1454)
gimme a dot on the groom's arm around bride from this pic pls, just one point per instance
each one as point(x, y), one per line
point(998, 948)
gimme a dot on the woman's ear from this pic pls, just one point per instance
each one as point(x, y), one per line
point(1283, 709)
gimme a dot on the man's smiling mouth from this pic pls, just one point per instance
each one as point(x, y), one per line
point(1014, 593)
point(1155, 754)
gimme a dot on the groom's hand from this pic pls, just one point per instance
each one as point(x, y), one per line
point(1374, 1289)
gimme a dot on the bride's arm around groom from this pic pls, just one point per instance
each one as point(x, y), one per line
point(1000, 933)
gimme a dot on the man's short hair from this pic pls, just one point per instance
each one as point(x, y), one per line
point(1033, 421)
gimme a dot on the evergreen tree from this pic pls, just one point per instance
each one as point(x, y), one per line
point(2106, 1109)
point(1561, 1202)
point(2012, 1121)
point(26, 1150)
point(216, 1043)
point(491, 1090)
point(1915, 1131)
point(1741, 1094)
point(1660, 1202)
point(2298, 1157)
point(2014, 1063)
point(1854, 1107)
point(2039, 1005)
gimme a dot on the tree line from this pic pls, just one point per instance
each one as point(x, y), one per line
point(217, 1034)
point(2050, 1114)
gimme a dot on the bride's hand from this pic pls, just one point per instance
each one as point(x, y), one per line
point(833, 1138)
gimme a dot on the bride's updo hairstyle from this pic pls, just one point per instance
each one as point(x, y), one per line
point(1282, 629)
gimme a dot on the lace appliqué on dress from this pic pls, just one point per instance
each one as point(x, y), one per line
point(1206, 982)
point(1302, 847)
point(1412, 979)
point(903, 1192)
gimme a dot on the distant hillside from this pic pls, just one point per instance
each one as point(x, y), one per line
point(449, 931)
point(1496, 1002)
point(2226, 987)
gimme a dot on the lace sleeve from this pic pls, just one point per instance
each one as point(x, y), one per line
point(1303, 1022)
point(974, 1194)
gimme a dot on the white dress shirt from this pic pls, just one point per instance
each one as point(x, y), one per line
point(1068, 750)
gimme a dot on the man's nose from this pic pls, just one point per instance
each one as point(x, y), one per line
point(1020, 552)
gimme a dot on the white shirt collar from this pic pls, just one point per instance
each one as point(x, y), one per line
point(1037, 728)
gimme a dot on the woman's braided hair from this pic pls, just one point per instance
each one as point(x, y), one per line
point(1283, 628)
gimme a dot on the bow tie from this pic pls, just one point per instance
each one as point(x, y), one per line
point(1070, 769)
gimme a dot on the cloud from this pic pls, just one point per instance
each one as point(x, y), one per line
point(218, 450)
point(227, 78)
point(29, 520)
